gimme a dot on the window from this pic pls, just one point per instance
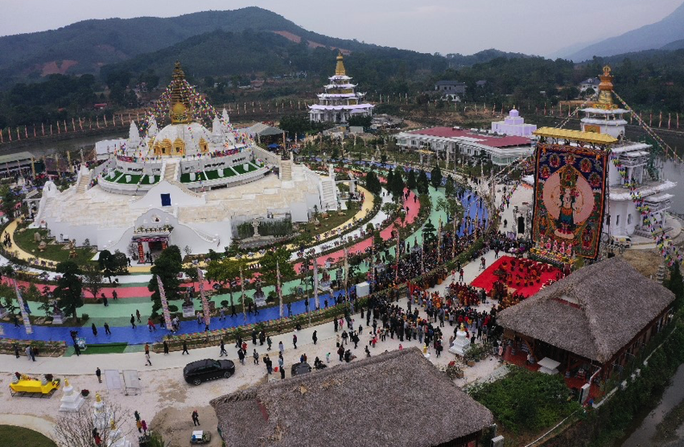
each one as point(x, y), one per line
point(165, 199)
point(629, 219)
point(617, 220)
point(607, 219)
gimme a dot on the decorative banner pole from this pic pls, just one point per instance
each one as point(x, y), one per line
point(397, 255)
point(165, 304)
point(205, 301)
point(346, 273)
point(372, 265)
point(279, 289)
point(453, 239)
point(242, 290)
point(315, 282)
point(439, 242)
point(24, 312)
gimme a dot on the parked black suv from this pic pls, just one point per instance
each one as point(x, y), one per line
point(208, 369)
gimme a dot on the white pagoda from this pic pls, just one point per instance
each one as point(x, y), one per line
point(622, 217)
point(340, 100)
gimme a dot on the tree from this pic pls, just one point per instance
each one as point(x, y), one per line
point(76, 429)
point(450, 187)
point(69, 290)
point(373, 183)
point(226, 271)
point(92, 278)
point(675, 284)
point(9, 201)
point(411, 180)
point(277, 258)
point(436, 176)
point(397, 184)
point(423, 184)
point(429, 232)
point(167, 266)
point(360, 120)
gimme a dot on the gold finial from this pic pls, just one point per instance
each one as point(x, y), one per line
point(605, 100)
point(339, 69)
point(112, 424)
point(179, 106)
point(98, 398)
point(66, 383)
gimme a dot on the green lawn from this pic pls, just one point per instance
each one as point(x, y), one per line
point(53, 252)
point(136, 178)
point(106, 348)
point(11, 436)
point(240, 169)
point(334, 220)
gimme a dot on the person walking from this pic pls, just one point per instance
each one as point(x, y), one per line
point(281, 366)
point(150, 325)
point(294, 340)
point(132, 321)
point(255, 354)
point(147, 359)
point(98, 373)
point(195, 418)
point(166, 348)
point(137, 315)
point(185, 348)
point(107, 331)
point(144, 426)
point(16, 350)
point(269, 342)
point(314, 337)
point(241, 356)
point(281, 347)
point(94, 328)
point(269, 364)
point(115, 296)
point(77, 349)
point(104, 300)
point(223, 349)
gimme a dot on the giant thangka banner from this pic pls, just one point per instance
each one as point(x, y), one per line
point(569, 199)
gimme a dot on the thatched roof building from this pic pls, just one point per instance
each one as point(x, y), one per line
point(397, 398)
point(595, 313)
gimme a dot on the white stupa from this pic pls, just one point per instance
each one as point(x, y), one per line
point(71, 400)
point(461, 343)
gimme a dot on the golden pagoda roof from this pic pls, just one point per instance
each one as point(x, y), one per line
point(605, 99)
point(179, 106)
point(339, 69)
point(575, 135)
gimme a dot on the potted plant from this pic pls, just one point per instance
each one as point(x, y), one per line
point(85, 393)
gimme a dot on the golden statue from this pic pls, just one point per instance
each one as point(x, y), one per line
point(98, 398)
point(66, 383)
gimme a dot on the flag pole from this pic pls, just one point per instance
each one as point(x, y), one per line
point(205, 301)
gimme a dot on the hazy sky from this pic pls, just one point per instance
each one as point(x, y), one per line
point(448, 26)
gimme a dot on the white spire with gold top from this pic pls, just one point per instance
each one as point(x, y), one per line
point(340, 100)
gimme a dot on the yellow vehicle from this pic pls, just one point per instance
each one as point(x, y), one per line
point(28, 386)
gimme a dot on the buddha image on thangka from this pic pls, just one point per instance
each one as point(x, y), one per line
point(569, 196)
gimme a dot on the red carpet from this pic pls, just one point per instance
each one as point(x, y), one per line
point(487, 279)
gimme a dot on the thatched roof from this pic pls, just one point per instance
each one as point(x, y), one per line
point(594, 312)
point(397, 398)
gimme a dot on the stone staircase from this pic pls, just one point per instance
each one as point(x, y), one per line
point(171, 170)
point(328, 199)
point(286, 170)
point(83, 183)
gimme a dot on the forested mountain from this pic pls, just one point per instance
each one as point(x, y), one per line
point(211, 43)
point(649, 37)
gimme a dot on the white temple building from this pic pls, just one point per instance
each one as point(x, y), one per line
point(514, 125)
point(183, 185)
point(340, 100)
point(622, 217)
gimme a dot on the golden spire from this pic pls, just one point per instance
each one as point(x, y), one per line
point(339, 69)
point(605, 100)
point(179, 108)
